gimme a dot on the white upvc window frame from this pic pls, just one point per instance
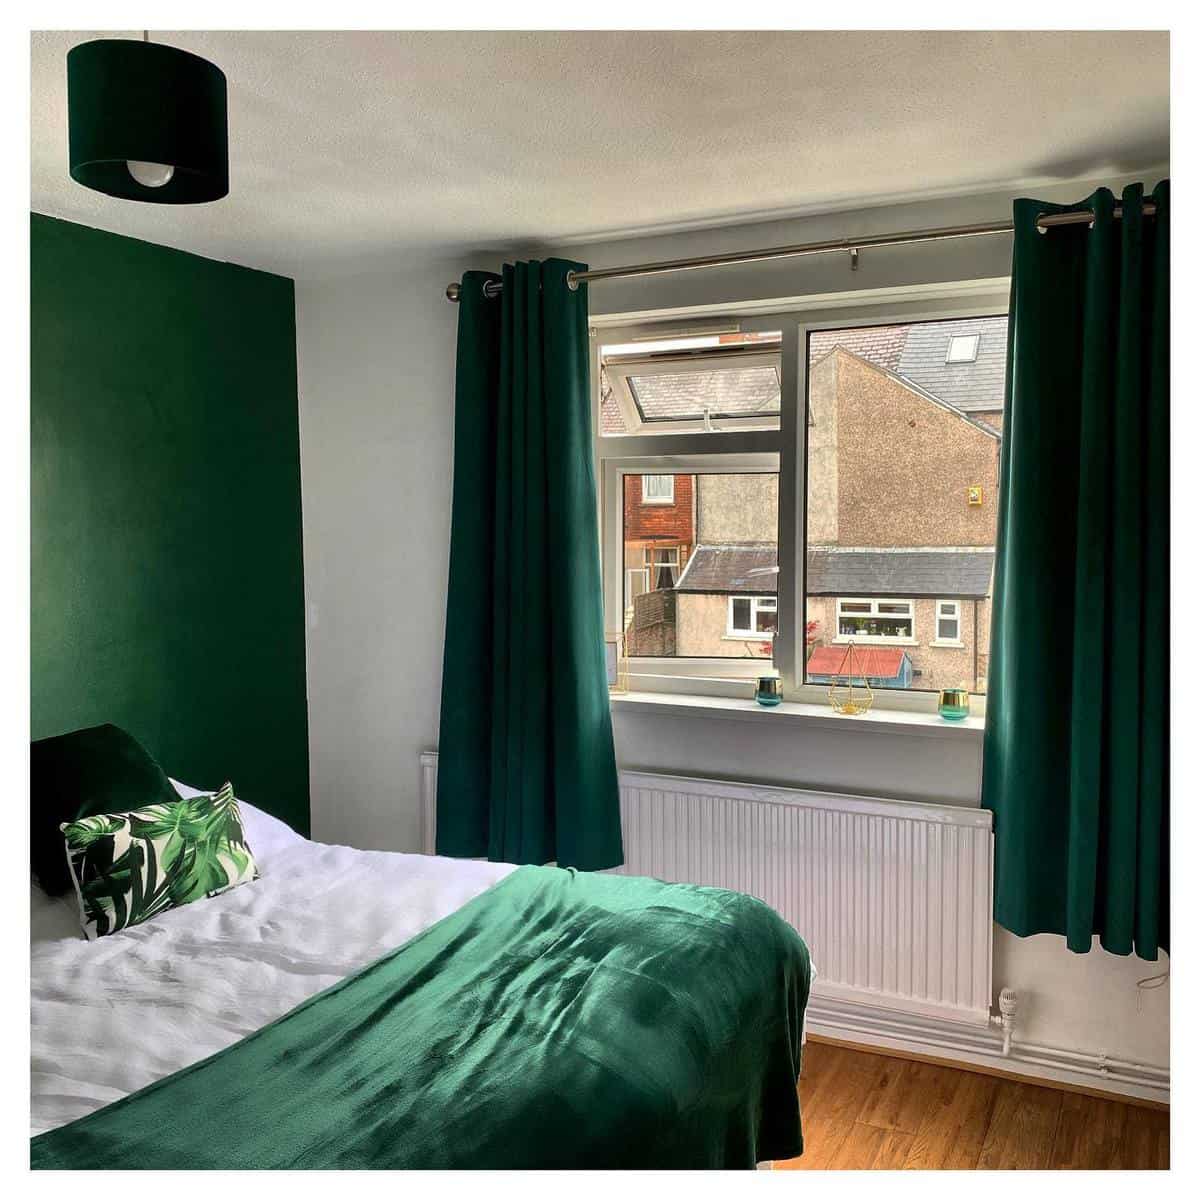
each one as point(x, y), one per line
point(648, 499)
point(782, 451)
point(758, 603)
point(874, 604)
point(619, 373)
point(956, 641)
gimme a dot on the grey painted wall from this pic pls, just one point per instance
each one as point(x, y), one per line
point(376, 361)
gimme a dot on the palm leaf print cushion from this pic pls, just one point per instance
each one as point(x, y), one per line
point(129, 867)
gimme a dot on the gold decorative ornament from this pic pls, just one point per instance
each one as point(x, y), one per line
point(846, 698)
point(975, 495)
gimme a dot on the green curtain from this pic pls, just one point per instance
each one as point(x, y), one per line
point(1075, 752)
point(526, 769)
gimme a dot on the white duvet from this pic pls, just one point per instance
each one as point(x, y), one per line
point(113, 1015)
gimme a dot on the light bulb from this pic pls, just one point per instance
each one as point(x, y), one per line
point(151, 174)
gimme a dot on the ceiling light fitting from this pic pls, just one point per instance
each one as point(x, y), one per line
point(147, 122)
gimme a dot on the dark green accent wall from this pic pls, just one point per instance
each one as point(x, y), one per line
point(167, 585)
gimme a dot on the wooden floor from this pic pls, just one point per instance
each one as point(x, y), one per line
point(864, 1111)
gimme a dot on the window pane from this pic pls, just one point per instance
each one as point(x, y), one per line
point(904, 428)
point(711, 383)
point(730, 392)
point(962, 348)
point(712, 560)
point(658, 487)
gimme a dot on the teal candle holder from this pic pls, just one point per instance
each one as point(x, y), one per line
point(769, 690)
point(954, 704)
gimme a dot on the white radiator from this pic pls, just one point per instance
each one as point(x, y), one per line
point(893, 898)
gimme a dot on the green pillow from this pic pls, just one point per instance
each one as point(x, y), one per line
point(80, 774)
point(129, 867)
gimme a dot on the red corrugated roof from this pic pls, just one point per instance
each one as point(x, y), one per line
point(877, 662)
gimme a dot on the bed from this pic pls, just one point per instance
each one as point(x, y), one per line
point(371, 1009)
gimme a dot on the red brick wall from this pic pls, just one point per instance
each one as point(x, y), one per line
point(669, 521)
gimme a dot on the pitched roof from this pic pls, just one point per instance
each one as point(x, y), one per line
point(874, 662)
point(976, 386)
point(878, 344)
point(885, 572)
point(917, 390)
point(749, 568)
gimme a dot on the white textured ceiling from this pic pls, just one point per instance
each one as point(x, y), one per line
point(349, 148)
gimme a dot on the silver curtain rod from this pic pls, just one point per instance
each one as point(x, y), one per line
point(492, 287)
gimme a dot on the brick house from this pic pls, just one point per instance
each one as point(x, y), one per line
point(660, 523)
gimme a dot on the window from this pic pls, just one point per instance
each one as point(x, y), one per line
point(637, 581)
point(661, 571)
point(752, 616)
point(701, 577)
point(663, 564)
point(724, 382)
point(775, 486)
point(949, 622)
point(902, 476)
point(658, 489)
point(963, 348)
point(875, 620)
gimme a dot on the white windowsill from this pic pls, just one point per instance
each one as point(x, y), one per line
point(880, 720)
point(867, 640)
point(948, 645)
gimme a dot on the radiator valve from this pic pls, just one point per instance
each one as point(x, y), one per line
point(1008, 1016)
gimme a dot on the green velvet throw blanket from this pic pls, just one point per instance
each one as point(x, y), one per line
point(557, 1020)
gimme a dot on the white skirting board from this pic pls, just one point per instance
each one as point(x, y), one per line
point(982, 1047)
point(893, 898)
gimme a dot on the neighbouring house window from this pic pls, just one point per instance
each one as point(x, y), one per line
point(752, 616)
point(963, 348)
point(663, 565)
point(658, 489)
point(867, 620)
point(637, 581)
point(949, 621)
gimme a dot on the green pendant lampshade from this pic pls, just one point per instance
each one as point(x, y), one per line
point(147, 122)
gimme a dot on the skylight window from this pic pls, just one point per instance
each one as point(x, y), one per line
point(963, 348)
